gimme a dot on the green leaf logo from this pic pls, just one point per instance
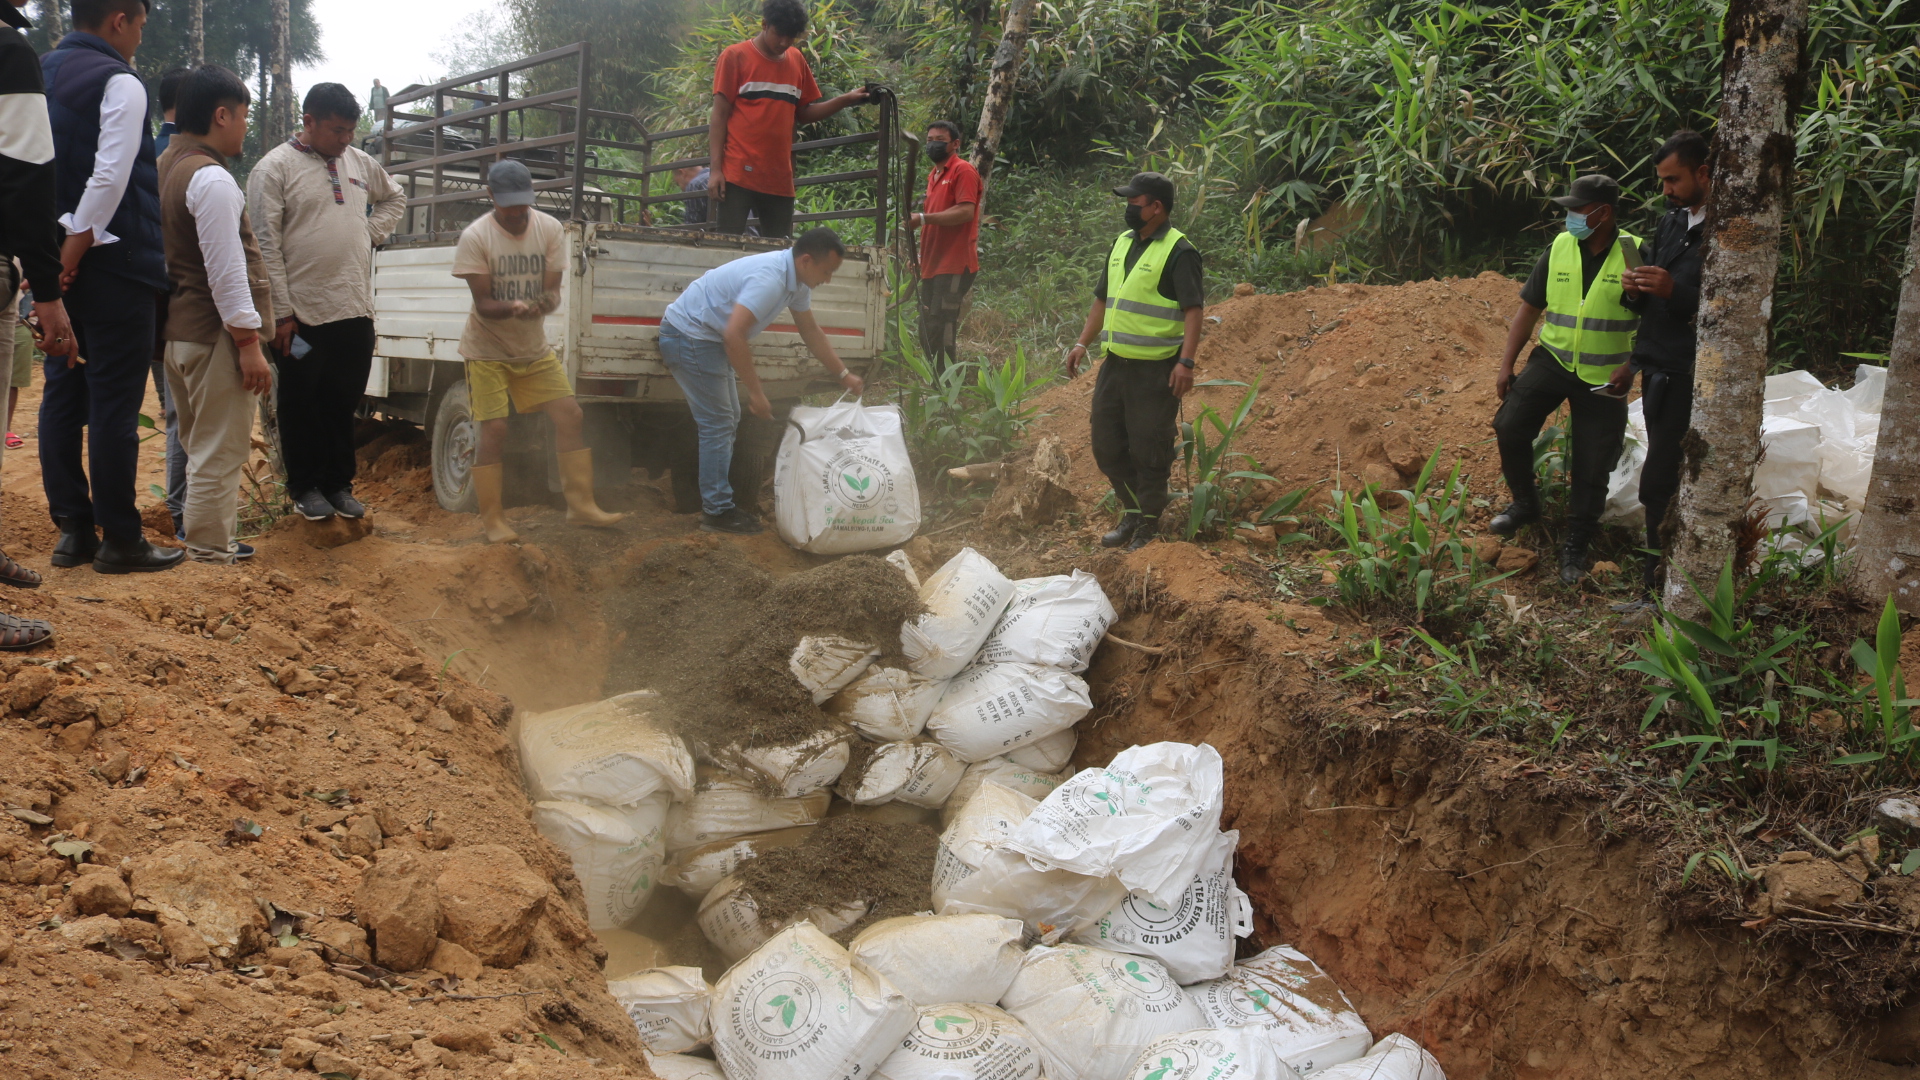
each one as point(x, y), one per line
point(1133, 969)
point(1113, 806)
point(1166, 1066)
point(857, 483)
point(787, 1009)
point(1261, 998)
point(942, 1023)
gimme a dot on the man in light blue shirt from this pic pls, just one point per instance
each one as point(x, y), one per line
point(704, 342)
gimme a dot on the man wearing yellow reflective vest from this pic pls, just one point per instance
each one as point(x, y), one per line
point(1588, 333)
point(1146, 314)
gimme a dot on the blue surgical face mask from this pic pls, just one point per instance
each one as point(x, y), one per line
point(1577, 225)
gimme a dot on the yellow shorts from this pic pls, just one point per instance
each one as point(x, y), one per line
point(490, 383)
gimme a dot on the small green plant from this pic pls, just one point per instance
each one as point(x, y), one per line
point(1417, 559)
point(1214, 488)
point(1886, 717)
point(966, 412)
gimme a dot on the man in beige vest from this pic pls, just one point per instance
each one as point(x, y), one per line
point(220, 304)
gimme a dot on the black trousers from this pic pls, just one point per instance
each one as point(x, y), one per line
point(1667, 397)
point(113, 320)
point(1135, 422)
point(943, 303)
point(774, 211)
point(1599, 433)
point(317, 397)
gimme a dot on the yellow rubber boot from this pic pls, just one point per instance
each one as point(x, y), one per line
point(487, 481)
point(576, 481)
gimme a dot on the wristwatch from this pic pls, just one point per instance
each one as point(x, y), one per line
point(1186, 362)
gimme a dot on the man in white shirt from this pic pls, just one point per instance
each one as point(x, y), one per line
point(320, 206)
point(220, 302)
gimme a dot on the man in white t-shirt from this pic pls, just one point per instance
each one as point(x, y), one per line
point(512, 260)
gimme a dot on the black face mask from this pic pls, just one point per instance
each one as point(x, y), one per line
point(939, 150)
point(1136, 218)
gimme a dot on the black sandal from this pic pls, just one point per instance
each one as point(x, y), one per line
point(18, 633)
point(12, 573)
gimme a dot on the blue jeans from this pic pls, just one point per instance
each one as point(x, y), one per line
point(707, 379)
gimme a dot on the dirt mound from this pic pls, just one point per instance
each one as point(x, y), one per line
point(844, 860)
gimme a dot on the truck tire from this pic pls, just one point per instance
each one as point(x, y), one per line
point(456, 443)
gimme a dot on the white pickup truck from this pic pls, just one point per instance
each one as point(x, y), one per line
point(620, 279)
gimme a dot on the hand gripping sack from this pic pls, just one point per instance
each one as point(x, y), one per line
point(1395, 1057)
point(1138, 819)
point(944, 958)
point(964, 600)
point(802, 1008)
point(1048, 755)
point(616, 853)
point(1193, 938)
point(993, 709)
point(919, 774)
point(842, 481)
point(971, 874)
point(684, 1067)
point(1288, 998)
point(668, 1005)
point(697, 870)
point(1054, 621)
point(605, 752)
point(1094, 1011)
point(965, 1041)
point(1211, 1054)
point(887, 704)
point(1002, 771)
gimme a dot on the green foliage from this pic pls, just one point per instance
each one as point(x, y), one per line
point(1453, 683)
point(966, 412)
point(631, 40)
point(1212, 489)
point(1415, 562)
point(1881, 711)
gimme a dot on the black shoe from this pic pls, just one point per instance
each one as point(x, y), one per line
point(314, 506)
point(1573, 560)
point(1147, 532)
point(138, 557)
point(1508, 521)
point(346, 505)
point(731, 520)
point(1121, 533)
point(78, 541)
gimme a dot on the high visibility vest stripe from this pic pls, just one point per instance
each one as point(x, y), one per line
point(1163, 311)
point(1140, 324)
point(1590, 332)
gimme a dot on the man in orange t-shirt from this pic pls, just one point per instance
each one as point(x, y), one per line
point(950, 244)
point(762, 90)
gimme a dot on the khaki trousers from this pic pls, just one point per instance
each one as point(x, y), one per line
point(215, 417)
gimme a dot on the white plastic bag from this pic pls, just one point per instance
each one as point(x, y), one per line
point(842, 481)
point(1211, 1054)
point(1053, 621)
point(1284, 994)
point(825, 663)
point(607, 752)
point(887, 704)
point(990, 710)
point(727, 806)
point(965, 1041)
point(944, 958)
point(731, 919)
point(790, 770)
point(1094, 1011)
point(973, 873)
point(1048, 755)
point(1193, 938)
point(616, 854)
point(1139, 819)
point(801, 1008)
point(916, 773)
point(1395, 1057)
point(964, 600)
point(1623, 484)
point(1002, 771)
point(668, 1005)
point(696, 871)
point(1788, 475)
point(684, 1067)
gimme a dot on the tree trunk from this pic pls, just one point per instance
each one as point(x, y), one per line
point(1886, 555)
point(52, 18)
point(196, 32)
point(1761, 78)
point(999, 100)
point(282, 122)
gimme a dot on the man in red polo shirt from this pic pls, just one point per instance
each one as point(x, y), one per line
point(762, 90)
point(949, 244)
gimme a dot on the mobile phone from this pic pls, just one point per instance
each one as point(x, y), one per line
point(1630, 254)
point(1606, 390)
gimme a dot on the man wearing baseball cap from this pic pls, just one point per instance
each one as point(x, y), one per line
point(1577, 285)
point(1146, 313)
point(512, 261)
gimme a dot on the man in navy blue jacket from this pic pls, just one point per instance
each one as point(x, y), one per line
point(114, 270)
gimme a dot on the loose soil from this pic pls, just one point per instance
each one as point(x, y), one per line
point(846, 859)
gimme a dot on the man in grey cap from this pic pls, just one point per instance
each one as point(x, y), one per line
point(1577, 285)
point(1146, 313)
point(512, 260)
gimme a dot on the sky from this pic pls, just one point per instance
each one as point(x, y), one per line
point(389, 40)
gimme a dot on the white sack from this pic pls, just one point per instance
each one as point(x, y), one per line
point(1053, 621)
point(1623, 484)
point(826, 662)
point(972, 874)
point(697, 870)
point(964, 600)
point(1094, 1011)
point(919, 774)
point(791, 770)
point(1138, 819)
point(726, 807)
point(1193, 938)
point(992, 709)
point(1002, 771)
point(668, 1005)
point(606, 752)
point(901, 561)
point(965, 1041)
point(1395, 1057)
point(616, 854)
point(842, 480)
point(887, 704)
point(1211, 1054)
point(1048, 755)
point(801, 1008)
point(1302, 1011)
point(731, 920)
point(684, 1067)
point(944, 958)
point(1789, 473)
